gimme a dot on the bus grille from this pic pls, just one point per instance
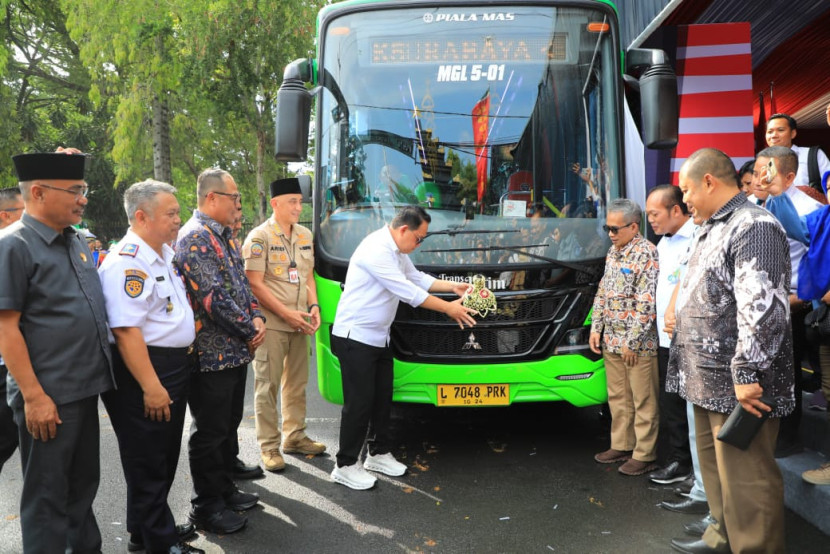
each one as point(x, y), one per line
point(526, 327)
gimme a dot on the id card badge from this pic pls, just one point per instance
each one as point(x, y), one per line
point(293, 275)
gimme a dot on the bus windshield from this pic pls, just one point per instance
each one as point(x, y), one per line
point(502, 121)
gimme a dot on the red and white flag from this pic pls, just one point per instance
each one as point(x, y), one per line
point(714, 81)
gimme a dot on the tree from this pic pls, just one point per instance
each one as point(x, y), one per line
point(130, 47)
point(44, 103)
point(237, 50)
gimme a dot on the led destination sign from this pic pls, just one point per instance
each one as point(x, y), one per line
point(459, 50)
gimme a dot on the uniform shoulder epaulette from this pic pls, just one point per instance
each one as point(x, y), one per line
point(129, 249)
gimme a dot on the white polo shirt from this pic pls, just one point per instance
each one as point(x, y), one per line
point(802, 177)
point(142, 289)
point(379, 276)
point(671, 255)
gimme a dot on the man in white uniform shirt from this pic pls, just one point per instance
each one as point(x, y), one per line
point(783, 182)
point(781, 130)
point(669, 216)
point(153, 330)
point(380, 275)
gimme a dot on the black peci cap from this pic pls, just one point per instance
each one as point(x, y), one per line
point(285, 186)
point(48, 166)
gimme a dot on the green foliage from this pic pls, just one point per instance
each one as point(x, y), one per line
point(85, 73)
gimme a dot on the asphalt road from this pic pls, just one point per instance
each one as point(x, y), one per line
point(518, 479)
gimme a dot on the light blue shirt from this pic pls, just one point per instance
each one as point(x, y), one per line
point(379, 277)
point(671, 252)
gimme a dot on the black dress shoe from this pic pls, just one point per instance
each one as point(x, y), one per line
point(243, 471)
point(683, 487)
point(672, 473)
point(687, 506)
point(239, 501)
point(697, 528)
point(184, 531)
point(223, 522)
point(695, 546)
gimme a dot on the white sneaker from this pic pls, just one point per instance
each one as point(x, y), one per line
point(353, 476)
point(384, 463)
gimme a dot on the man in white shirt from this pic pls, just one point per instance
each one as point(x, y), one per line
point(152, 333)
point(380, 275)
point(781, 130)
point(786, 164)
point(669, 217)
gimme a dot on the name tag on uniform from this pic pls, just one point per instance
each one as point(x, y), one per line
point(293, 275)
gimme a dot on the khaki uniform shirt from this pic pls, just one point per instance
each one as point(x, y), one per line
point(268, 249)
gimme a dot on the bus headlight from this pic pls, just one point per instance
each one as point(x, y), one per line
point(575, 341)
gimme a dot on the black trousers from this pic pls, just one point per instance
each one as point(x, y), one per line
point(8, 429)
point(788, 430)
point(367, 398)
point(60, 481)
point(674, 425)
point(150, 449)
point(216, 398)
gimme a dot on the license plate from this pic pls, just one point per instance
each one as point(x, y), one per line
point(473, 395)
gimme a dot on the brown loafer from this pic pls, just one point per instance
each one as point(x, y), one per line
point(612, 456)
point(636, 467)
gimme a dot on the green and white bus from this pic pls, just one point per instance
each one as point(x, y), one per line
point(507, 121)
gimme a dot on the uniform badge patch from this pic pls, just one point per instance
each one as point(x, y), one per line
point(133, 286)
point(277, 271)
point(134, 282)
point(129, 250)
point(256, 250)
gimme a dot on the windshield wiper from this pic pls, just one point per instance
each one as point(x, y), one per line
point(460, 231)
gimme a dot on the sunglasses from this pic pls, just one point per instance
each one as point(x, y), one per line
point(613, 229)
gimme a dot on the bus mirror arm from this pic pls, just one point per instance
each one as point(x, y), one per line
point(636, 58)
point(293, 114)
point(658, 96)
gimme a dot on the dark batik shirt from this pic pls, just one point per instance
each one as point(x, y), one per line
point(733, 320)
point(223, 304)
point(624, 304)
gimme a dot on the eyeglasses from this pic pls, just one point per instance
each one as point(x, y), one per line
point(418, 239)
point(235, 196)
point(613, 229)
point(79, 190)
point(11, 209)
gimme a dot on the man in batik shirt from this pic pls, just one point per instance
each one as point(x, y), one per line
point(229, 327)
point(732, 344)
point(624, 325)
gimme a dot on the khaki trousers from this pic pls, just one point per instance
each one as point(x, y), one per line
point(280, 364)
point(633, 400)
point(744, 488)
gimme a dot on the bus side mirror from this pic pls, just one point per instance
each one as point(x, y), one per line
point(658, 97)
point(293, 113)
point(305, 187)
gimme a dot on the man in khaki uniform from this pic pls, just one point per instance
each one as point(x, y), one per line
point(279, 263)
